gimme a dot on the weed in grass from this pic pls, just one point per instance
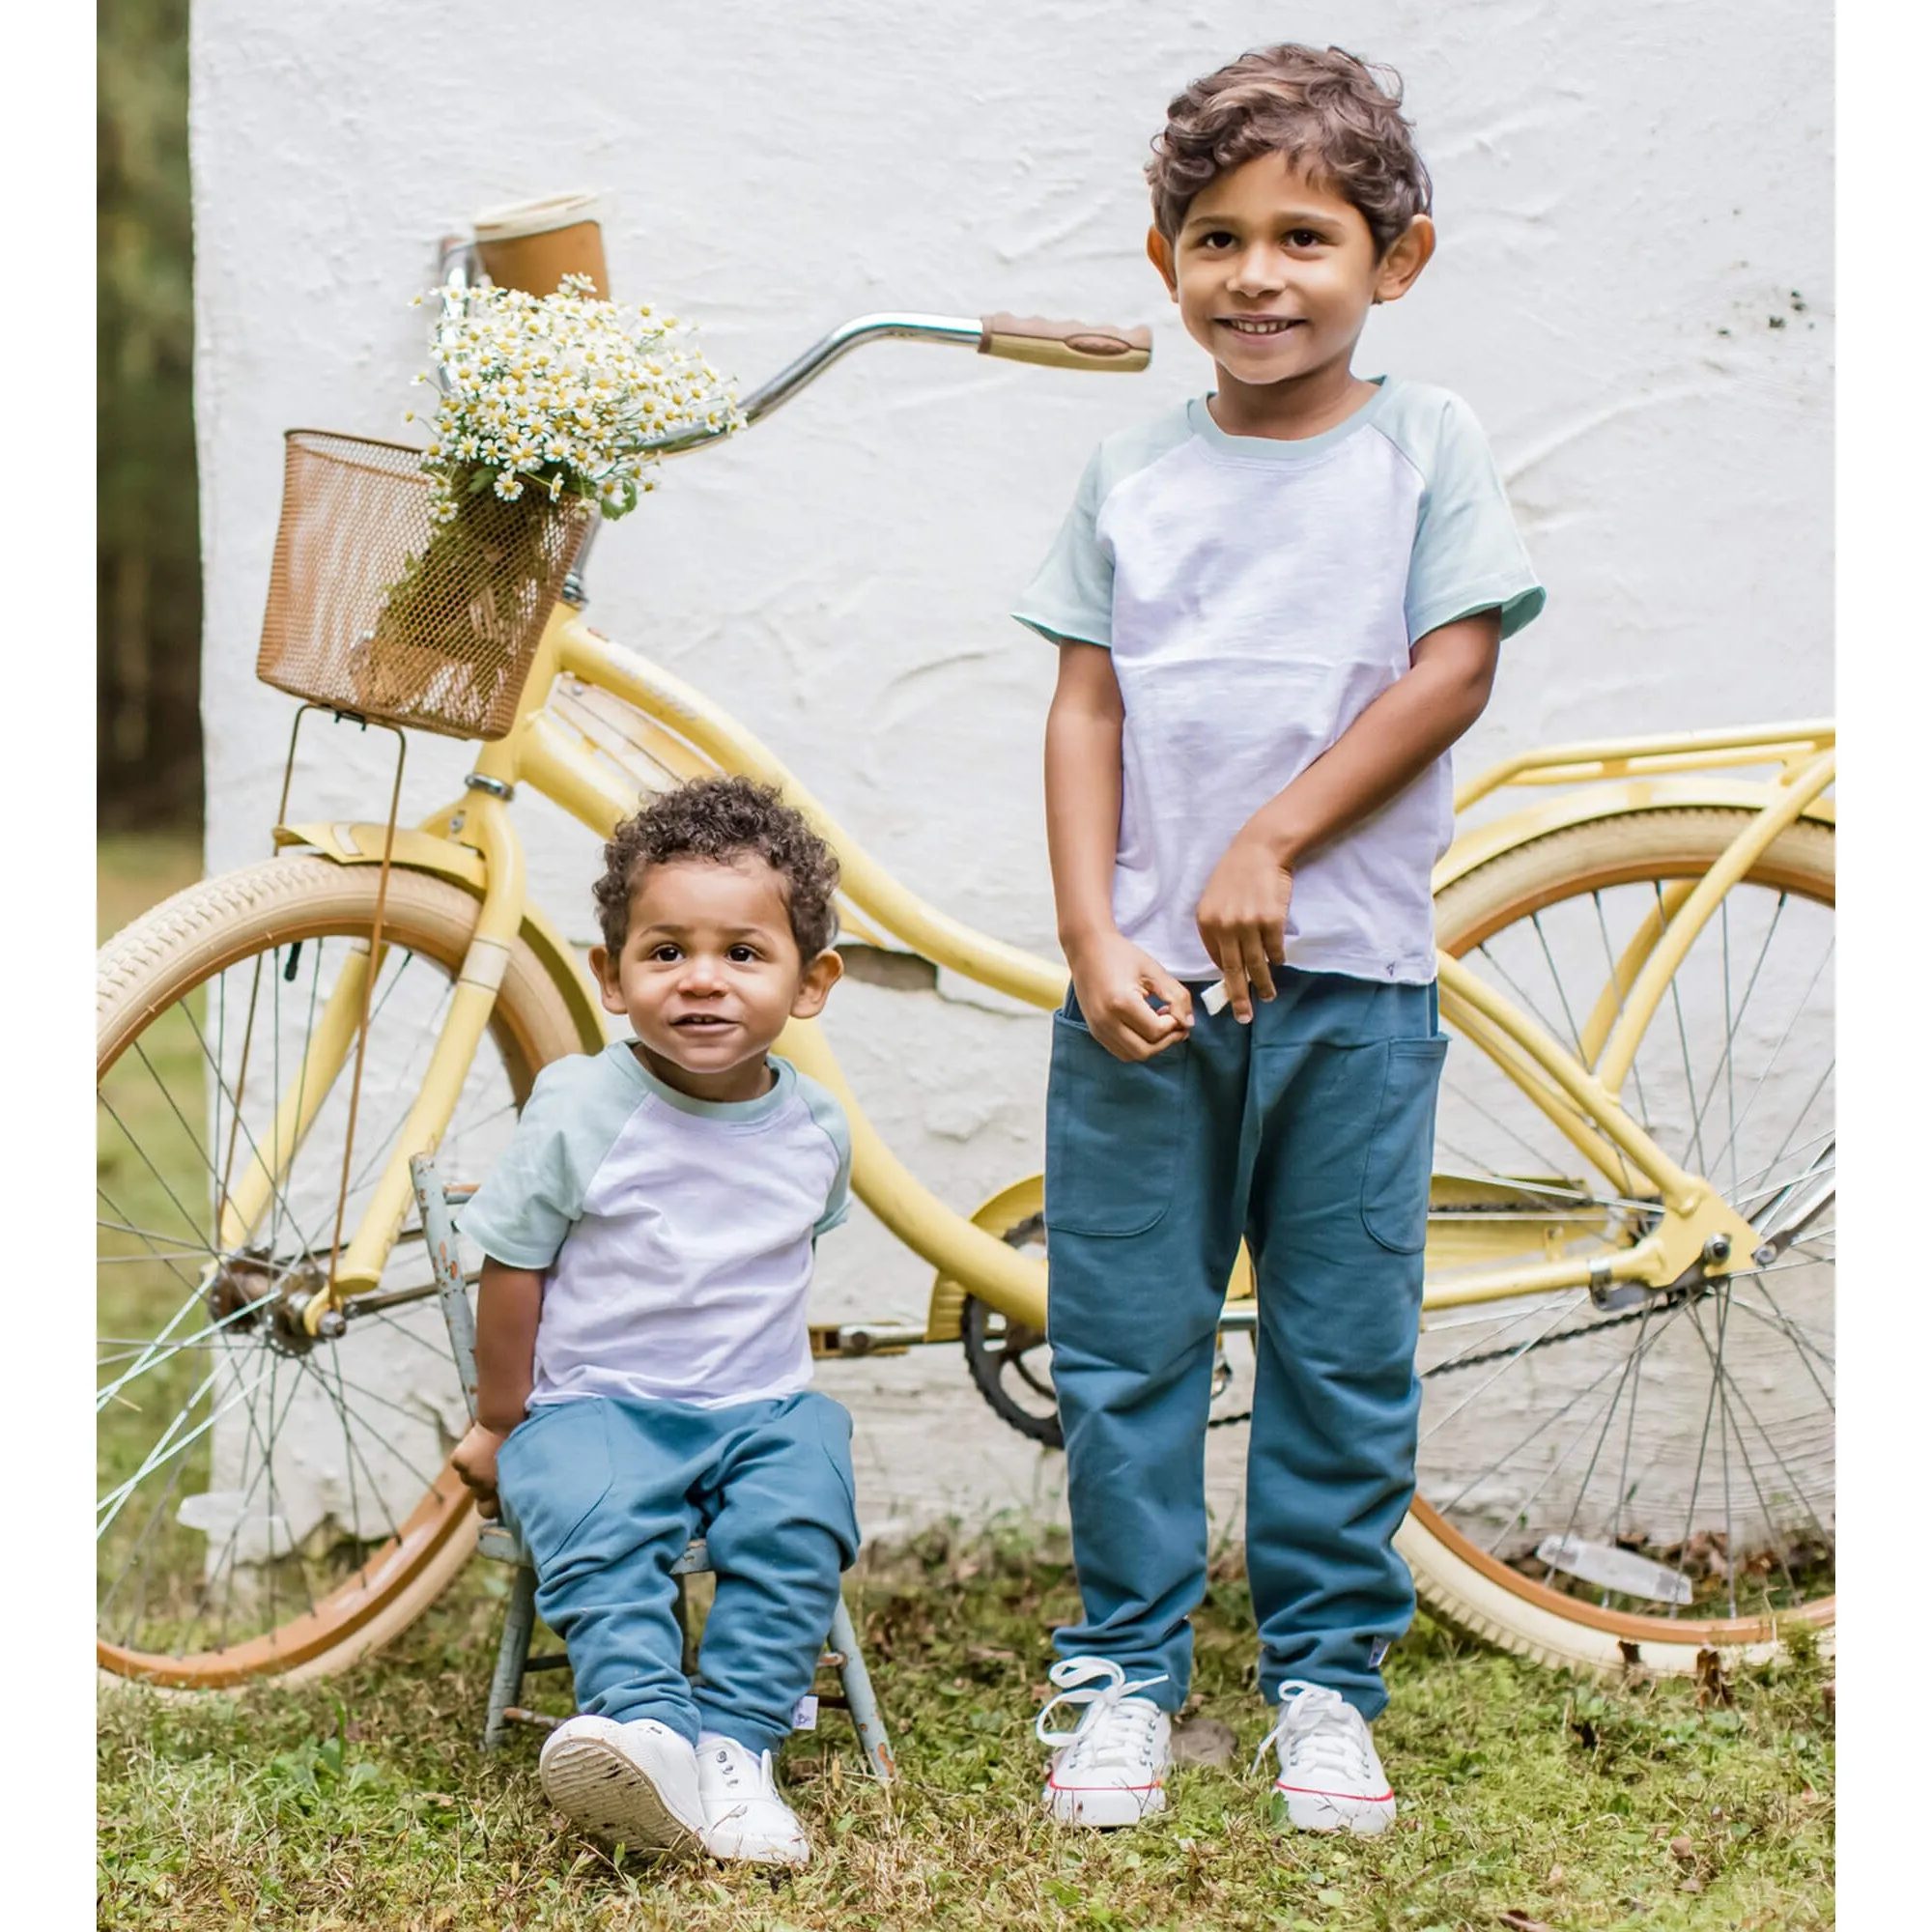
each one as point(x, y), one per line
point(363, 1802)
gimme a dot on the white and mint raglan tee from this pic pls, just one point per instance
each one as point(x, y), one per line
point(1256, 595)
point(675, 1234)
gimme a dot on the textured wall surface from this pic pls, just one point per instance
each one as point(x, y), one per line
point(1633, 290)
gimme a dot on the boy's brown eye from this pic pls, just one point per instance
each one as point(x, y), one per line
point(665, 955)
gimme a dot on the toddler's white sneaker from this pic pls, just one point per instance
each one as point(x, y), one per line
point(635, 1784)
point(744, 1815)
point(1111, 1768)
point(1332, 1779)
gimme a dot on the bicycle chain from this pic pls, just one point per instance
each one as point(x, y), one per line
point(1501, 1354)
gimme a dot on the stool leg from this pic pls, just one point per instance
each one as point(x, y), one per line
point(512, 1653)
point(858, 1699)
point(688, 1661)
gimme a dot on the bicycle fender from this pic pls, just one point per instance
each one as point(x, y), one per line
point(360, 843)
point(1480, 843)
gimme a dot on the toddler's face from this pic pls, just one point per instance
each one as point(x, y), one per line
point(709, 974)
point(1275, 273)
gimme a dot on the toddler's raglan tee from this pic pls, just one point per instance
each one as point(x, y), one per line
point(1256, 596)
point(677, 1234)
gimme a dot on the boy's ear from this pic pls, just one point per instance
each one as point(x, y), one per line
point(604, 969)
point(1406, 257)
point(1160, 252)
point(820, 977)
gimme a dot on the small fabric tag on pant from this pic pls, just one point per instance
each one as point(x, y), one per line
point(805, 1714)
point(1377, 1650)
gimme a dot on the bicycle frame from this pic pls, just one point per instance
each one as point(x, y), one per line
point(677, 728)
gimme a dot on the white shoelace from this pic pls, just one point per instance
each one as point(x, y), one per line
point(1321, 1735)
point(1117, 1726)
point(730, 1760)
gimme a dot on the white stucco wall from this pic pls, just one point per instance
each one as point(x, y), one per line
point(1633, 288)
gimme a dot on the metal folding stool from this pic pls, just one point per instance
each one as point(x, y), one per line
point(438, 1205)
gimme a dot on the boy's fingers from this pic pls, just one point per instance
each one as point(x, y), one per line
point(1254, 962)
point(1180, 1001)
point(1234, 976)
point(1139, 1019)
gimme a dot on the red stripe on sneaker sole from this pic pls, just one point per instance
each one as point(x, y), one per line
point(1343, 1796)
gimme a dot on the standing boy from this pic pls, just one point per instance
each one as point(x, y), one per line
point(642, 1351)
point(1277, 608)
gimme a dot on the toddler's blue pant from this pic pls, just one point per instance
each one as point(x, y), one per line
point(1310, 1133)
point(606, 1494)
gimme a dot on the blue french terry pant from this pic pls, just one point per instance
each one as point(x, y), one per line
point(606, 1494)
point(1310, 1132)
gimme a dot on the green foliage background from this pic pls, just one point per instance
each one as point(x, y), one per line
point(148, 552)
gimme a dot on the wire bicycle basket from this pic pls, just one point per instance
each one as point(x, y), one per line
point(377, 610)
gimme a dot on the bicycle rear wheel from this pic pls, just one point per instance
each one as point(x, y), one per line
point(1598, 1485)
point(272, 1502)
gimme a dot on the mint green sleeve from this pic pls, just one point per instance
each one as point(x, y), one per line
point(829, 1116)
point(534, 1194)
point(1071, 595)
point(1468, 556)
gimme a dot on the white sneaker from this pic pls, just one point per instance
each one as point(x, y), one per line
point(744, 1815)
point(1111, 1769)
point(635, 1784)
point(1332, 1779)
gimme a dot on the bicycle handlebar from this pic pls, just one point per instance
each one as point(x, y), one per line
point(1055, 345)
point(1059, 345)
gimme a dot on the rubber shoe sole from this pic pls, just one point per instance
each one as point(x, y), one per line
point(1333, 1811)
point(1106, 1807)
point(602, 1790)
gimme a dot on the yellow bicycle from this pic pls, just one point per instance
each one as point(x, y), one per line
point(1628, 1362)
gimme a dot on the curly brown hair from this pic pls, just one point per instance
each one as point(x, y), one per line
point(719, 819)
point(1334, 115)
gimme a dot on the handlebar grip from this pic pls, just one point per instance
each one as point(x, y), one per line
point(1066, 345)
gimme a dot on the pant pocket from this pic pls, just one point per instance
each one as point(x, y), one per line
point(1401, 1152)
point(1114, 1133)
point(553, 1471)
point(830, 1422)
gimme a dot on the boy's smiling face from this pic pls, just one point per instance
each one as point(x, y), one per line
point(710, 972)
point(1275, 274)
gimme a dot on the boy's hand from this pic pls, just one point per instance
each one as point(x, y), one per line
point(1241, 918)
point(475, 1461)
point(1112, 980)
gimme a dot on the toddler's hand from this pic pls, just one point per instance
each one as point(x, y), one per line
point(475, 1461)
point(1241, 918)
point(1112, 980)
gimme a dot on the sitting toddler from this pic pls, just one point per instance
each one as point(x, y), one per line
point(642, 1351)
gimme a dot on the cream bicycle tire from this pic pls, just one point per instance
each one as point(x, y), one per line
point(1460, 1582)
point(151, 969)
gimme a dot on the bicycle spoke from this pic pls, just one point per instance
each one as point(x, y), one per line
point(1750, 1101)
point(1484, 1386)
point(238, 1125)
point(1696, 1140)
point(370, 1427)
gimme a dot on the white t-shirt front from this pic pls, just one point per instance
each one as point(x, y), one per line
point(1256, 596)
point(677, 1234)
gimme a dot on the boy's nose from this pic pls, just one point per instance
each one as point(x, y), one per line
point(1257, 272)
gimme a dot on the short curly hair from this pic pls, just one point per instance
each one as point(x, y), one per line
point(719, 819)
point(1332, 114)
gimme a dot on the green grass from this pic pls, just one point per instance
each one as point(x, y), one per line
point(364, 1802)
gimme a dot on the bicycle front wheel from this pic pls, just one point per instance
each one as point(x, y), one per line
point(1597, 1484)
point(272, 1502)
